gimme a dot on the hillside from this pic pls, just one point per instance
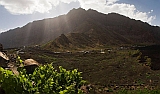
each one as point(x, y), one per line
point(90, 27)
point(115, 69)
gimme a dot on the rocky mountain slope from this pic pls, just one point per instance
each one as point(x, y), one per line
point(81, 27)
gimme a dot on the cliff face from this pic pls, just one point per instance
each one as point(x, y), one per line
point(88, 26)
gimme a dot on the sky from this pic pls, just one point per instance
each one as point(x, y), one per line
point(17, 13)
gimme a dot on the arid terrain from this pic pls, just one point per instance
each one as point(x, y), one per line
point(113, 52)
point(108, 69)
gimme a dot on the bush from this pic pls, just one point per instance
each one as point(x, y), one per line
point(44, 80)
point(148, 60)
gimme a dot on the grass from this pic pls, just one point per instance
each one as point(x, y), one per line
point(119, 67)
point(144, 91)
point(47, 58)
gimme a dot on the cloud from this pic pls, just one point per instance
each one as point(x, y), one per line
point(30, 6)
point(104, 6)
point(1, 30)
point(108, 2)
point(108, 6)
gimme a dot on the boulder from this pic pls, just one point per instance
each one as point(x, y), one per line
point(3, 60)
point(30, 68)
point(28, 62)
point(30, 65)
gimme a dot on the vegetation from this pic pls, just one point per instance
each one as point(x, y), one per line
point(44, 80)
point(116, 70)
point(148, 60)
point(113, 68)
point(106, 29)
point(145, 91)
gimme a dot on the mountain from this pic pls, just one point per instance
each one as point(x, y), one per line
point(82, 28)
point(89, 35)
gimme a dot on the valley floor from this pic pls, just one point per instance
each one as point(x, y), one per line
point(108, 71)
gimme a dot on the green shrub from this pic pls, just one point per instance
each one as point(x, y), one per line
point(148, 60)
point(44, 80)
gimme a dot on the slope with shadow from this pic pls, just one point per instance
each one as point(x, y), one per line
point(110, 28)
point(39, 32)
point(88, 34)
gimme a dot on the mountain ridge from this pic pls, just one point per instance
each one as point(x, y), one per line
point(114, 27)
